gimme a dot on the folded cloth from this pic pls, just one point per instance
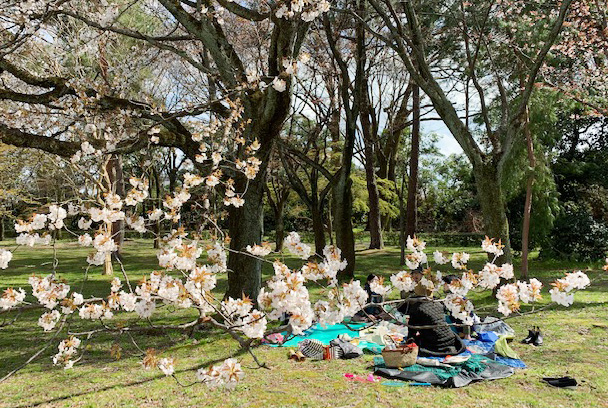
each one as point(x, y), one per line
point(493, 324)
point(502, 347)
point(430, 362)
point(488, 337)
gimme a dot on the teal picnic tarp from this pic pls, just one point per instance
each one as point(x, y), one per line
point(325, 335)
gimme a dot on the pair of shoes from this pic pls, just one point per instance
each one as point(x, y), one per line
point(535, 337)
point(296, 356)
point(561, 382)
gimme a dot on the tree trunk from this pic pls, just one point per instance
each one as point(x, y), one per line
point(280, 226)
point(2, 231)
point(117, 186)
point(374, 221)
point(491, 199)
point(156, 199)
point(402, 221)
point(246, 224)
point(343, 206)
point(318, 227)
point(412, 186)
point(330, 224)
point(369, 136)
point(525, 234)
point(246, 227)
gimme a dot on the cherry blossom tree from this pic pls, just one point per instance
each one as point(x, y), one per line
point(197, 66)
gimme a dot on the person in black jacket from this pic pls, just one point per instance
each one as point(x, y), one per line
point(427, 323)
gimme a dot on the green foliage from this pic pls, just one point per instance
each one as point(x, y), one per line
point(450, 199)
point(360, 196)
point(389, 200)
point(577, 235)
point(544, 108)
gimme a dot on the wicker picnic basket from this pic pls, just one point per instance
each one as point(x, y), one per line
point(400, 356)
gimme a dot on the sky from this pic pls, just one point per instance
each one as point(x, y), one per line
point(446, 144)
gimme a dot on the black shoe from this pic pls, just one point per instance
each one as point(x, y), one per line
point(538, 338)
point(528, 339)
point(561, 382)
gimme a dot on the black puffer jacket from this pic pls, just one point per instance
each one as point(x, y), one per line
point(438, 341)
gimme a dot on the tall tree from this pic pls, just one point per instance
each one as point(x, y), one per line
point(484, 44)
point(411, 211)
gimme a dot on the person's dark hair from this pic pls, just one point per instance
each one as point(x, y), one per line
point(371, 277)
point(450, 278)
point(419, 270)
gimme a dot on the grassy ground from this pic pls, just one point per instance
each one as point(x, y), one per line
point(573, 346)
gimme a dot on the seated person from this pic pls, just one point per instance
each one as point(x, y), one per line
point(373, 297)
point(438, 339)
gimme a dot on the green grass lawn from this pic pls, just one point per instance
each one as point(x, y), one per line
point(573, 346)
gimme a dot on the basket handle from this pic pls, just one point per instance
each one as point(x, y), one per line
point(390, 339)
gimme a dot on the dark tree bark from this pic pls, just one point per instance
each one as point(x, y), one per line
point(369, 136)
point(343, 225)
point(412, 185)
point(491, 198)
point(402, 238)
point(525, 233)
point(318, 226)
point(342, 199)
point(279, 219)
point(246, 226)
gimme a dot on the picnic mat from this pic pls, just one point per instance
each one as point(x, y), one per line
point(324, 335)
point(477, 368)
point(484, 363)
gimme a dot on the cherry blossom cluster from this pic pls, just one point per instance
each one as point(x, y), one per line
point(5, 258)
point(68, 348)
point(227, 375)
point(164, 364)
point(511, 295)
point(48, 290)
point(54, 220)
point(241, 315)
point(562, 291)
point(296, 246)
point(11, 298)
point(287, 293)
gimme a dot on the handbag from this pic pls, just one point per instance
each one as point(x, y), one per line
point(400, 356)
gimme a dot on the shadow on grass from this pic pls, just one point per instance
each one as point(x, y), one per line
point(130, 384)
